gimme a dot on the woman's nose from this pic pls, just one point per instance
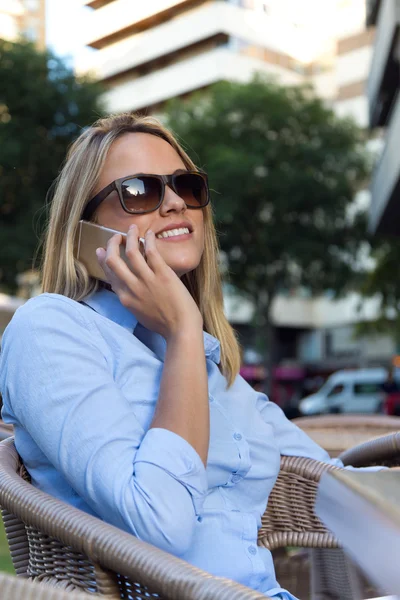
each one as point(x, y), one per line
point(172, 202)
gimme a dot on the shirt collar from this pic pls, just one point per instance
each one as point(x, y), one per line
point(107, 304)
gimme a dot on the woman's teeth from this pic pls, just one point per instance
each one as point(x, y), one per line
point(172, 232)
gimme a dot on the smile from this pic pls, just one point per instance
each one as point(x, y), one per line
point(173, 233)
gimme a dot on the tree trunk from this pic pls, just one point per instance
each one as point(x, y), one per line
point(266, 334)
point(271, 359)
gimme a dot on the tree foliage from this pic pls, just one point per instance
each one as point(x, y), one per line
point(285, 170)
point(43, 107)
point(383, 283)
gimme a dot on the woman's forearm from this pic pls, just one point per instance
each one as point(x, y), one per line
point(183, 400)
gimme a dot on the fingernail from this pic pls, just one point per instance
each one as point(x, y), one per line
point(132, 226)
point(99, 252)
point(149, 232)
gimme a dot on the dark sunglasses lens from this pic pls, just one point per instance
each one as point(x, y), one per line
point(141, 194)
point(192, 188)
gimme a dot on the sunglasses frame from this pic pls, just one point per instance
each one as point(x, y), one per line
point(116, 185)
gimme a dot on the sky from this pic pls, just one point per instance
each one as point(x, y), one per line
point(66, 25)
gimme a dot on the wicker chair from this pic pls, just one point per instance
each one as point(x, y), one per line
point(15, 588)
point(53, 542)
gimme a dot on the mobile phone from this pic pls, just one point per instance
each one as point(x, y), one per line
point(91, 236)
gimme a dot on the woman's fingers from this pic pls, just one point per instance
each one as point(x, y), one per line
point(112, 264)
point(154, 259)
point(117, 271)
point(133, 253)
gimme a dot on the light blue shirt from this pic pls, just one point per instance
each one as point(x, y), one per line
point(80, 385)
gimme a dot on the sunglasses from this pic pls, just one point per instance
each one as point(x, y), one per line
point(141, 194)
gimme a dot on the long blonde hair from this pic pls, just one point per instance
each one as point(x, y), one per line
point(63, 274)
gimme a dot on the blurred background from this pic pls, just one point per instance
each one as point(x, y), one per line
point(292, 107)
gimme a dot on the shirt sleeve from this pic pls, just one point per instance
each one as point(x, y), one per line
point(58, 382)
point(293, 441)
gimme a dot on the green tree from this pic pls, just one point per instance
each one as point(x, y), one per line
point(43, 107)
point(383, 283)
point(286, 170)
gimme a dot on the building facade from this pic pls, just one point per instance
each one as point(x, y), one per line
point(150, 52)
point(384, 112)
point(23, 19)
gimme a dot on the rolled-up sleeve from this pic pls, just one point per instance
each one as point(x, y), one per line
point(293, 441)
point(57, 382)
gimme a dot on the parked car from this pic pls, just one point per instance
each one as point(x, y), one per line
point(348, 391)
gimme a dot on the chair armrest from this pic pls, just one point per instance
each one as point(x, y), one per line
point(290, 519)
point(384, 450)
point(113, 549)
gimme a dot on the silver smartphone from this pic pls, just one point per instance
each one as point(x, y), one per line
point(89, 237)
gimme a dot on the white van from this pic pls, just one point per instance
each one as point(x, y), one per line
point(352, 391)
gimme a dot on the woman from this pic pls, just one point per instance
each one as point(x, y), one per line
point(122, 405)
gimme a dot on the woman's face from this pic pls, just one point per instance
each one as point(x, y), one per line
point(145, 153)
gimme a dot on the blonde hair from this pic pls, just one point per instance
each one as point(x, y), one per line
point(63, 274)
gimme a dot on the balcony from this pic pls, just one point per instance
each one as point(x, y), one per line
point(385, 188)
point(188, 75)
point(118, 19)
point(384, 77)
point(166, 39)
point(96, 3)
point(190, 29)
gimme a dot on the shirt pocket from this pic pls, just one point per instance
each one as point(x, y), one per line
point(229, 453)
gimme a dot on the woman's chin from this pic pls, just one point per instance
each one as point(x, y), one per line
point(181, 271)
point(181, 261)
point(181, 268)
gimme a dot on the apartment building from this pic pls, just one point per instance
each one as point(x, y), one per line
point(23, 18)
point(150, 52)
point(384, 112)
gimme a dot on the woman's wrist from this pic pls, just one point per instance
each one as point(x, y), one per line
point(186, 331)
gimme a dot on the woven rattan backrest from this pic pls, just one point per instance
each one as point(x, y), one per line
point(290, 519)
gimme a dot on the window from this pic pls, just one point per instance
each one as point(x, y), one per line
point(337, 389)
point(368, 387)
point(32, 5)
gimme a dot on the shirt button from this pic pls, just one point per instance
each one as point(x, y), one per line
point(235, 478)
point(211, 399)
point(252, 550)
point(237, 436)
point(199, 519)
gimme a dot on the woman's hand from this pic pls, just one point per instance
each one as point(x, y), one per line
point(150, 290)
